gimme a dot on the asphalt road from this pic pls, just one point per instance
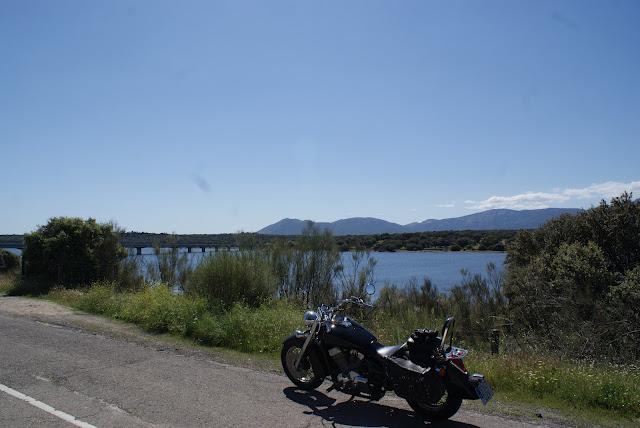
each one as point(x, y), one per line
point(106, 381)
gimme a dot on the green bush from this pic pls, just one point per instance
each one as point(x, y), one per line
point(231, 277)
point(156, 309)
point(101, 298)
point(159, 310)
point(170, 266)
point(130, 276)
point(8, 282)
point(8, 261)
point(72, 252)
point(570, 284)
point(249, 329)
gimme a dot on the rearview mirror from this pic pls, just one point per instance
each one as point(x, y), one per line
point(370, 289)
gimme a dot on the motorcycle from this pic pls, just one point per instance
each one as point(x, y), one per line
point(429, 374)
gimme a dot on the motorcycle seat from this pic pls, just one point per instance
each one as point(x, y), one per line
point(387, 351)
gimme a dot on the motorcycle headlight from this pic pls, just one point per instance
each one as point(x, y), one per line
point(310, 317)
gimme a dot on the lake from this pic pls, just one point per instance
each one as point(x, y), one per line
point(442, 267)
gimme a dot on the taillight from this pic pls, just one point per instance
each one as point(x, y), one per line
point(458, 363)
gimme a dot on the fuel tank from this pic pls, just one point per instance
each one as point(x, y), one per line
point(347, 333)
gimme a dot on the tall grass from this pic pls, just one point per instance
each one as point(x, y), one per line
point(7, 282)
point(247, 329)
point(156, 309)
point(170, 266)
point(575, 383)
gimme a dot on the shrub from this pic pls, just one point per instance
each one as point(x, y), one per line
point(72, 252)
point(155, 309)
point(100, 298)
point(230, 277)
point(8, 261)
point(159, 310)
point(170, 266)
point(247, 329)
point(130, 276)
point(307, 267)
point(571, 282)
point(8, 283)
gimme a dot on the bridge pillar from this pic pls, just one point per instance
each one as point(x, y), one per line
point(188, 249)
point(139, 251)
point(204, 249)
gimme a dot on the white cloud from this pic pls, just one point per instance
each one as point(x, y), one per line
point(523, 201)
point(603, 190)
point(536, 200)
point(445, 205)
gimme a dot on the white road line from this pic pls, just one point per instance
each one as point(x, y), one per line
point(47, 408)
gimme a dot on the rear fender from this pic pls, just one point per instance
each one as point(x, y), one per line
point(458, 381)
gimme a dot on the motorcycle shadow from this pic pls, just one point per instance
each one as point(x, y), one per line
point(356, 412)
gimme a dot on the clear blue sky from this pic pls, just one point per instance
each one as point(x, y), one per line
point(221, 116)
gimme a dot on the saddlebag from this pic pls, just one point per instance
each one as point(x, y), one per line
point(413, 382)
point(422, 345)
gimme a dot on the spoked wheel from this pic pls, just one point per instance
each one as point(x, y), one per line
point(304, 376)
point(444, 408)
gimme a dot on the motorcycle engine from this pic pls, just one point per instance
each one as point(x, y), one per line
point(347, 361)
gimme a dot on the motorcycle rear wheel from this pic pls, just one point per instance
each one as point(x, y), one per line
point(303, 377)
point(446, 407)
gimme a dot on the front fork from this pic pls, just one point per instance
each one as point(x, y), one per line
point(312, 333)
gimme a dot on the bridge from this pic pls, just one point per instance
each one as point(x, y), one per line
point(203, 246)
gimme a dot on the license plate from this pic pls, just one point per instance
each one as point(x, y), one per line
point(484, 392)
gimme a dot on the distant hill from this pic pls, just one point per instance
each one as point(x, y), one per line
point(347, 226)
point(499, 219)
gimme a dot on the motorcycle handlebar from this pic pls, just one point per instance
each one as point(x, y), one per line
point(327, 311)
point(356, 301)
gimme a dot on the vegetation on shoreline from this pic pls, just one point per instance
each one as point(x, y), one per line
point(573, 286)
point(460, 240)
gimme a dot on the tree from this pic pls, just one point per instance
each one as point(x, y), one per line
point(8, 261)
point(307, 266)
point(70, 251)
point(567, 283)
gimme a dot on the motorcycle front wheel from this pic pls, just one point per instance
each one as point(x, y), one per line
point(303, 377)
point(447, 406)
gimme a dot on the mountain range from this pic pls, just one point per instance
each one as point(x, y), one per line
point(497, 219)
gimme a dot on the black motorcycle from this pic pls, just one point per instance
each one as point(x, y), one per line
point(424, 370)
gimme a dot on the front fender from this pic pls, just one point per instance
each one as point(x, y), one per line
point(313, 350)
point(299, 334)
